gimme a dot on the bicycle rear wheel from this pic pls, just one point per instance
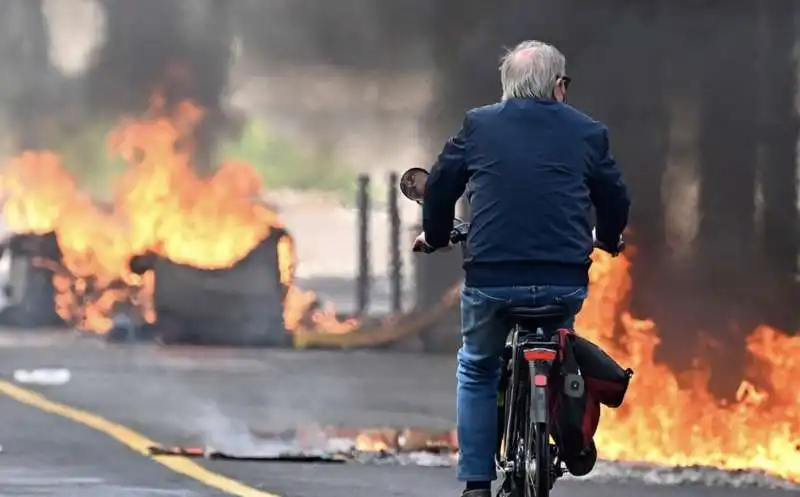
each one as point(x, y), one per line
point(522, 441)
point(541, 451)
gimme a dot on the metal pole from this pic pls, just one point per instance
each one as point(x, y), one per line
point(395, 262)
point(363, 280)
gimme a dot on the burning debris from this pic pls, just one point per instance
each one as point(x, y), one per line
point(421, 447)
point(240, 305)
point(29, 290)
point(176, 256)
point(314, 444)
point(279, 456)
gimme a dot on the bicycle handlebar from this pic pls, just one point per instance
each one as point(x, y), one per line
point(459, 235)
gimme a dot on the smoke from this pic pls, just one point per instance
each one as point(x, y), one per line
point(29, 83)
point(383, 36)
point(227, 427)
point(183, 49)
point(179, 47)
point(231, 436)
point(630, 62)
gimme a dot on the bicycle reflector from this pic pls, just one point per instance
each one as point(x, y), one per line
point(539, 355)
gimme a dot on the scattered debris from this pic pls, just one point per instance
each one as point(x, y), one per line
point(392, 440)
point(420, 447)
point(409, 446)
point(430, 460)
point(44, 376)
point(415, 439)
point(278, 457)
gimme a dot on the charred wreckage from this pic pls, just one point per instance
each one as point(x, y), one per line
point(240, 305)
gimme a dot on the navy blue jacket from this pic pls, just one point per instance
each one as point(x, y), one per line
point(532, 170)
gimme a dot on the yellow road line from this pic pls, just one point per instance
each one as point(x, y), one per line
point(135, 441)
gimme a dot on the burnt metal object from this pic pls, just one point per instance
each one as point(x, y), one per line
point(237, 306)
point(29, 290)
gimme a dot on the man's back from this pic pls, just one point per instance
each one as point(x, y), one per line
point(533, 169)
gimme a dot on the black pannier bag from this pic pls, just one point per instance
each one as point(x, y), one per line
point(585, 377)
point(606, 381)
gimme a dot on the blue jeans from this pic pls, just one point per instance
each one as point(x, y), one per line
point(484, 337)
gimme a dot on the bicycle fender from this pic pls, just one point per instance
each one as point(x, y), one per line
point(539, 405)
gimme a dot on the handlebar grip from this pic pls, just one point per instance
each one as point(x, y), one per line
point(601, 246)
point(459, 232)
point(422, 248)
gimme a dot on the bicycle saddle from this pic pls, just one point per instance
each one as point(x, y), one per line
point(544, 316)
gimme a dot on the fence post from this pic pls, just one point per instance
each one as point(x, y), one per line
point(363, 279)
point(395, 262)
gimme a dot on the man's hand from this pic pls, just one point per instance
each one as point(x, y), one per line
point(613, 250)
point(420, 245)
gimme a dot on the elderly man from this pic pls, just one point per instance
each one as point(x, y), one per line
point(535, 167)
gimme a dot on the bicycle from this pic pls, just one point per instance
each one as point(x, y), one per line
point(526, 459)
point(528, 463)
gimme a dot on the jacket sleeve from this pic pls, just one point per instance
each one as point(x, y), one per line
point(607, 189)
point(445, 185)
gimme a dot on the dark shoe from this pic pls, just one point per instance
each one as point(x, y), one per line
point(583, 463)
point(483, 492)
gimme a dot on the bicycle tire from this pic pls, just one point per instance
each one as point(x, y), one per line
point(528, 490)
point(520, 440)
point(541, 442)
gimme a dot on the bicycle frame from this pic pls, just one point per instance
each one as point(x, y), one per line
point(523, 411)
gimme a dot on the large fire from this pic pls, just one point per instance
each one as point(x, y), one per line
point(660, 422)
point(161, 206)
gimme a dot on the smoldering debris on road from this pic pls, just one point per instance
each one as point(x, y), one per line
point(232, 440)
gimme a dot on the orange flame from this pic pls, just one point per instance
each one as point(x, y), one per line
point(160, 206)
point(663, 423)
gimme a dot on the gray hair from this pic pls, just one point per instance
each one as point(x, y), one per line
point(530, 70)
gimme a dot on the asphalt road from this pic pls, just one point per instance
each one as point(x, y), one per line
point(45, 454)
point(212, 395)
